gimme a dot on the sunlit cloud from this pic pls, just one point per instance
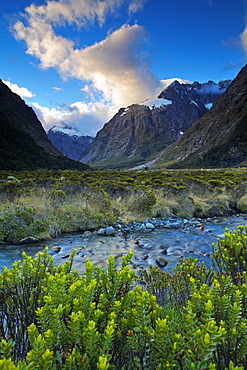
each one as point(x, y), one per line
point(21, 91)
point(118, 66)
point(115, 71)
point(244, 40)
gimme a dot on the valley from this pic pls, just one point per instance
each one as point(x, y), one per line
point(101, 251)
point(123, 185)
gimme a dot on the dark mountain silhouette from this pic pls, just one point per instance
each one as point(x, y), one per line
point(24, 143)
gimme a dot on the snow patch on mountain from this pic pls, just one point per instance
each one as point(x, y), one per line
point(66, 130)
point(155, 103)
point(124, 112)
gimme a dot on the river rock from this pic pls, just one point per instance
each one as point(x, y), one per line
point(216, 208)
point(109, 230)
point(28, 240)
point(161, 262)
point(101, 231)
point(176, 251)
point(55, 249)
point(162, 246)
point(150, 226)
point(88, 233)
point(144, 257)
point(65, 256)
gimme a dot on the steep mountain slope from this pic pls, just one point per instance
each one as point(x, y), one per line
point(70, 145)
point(219, 138)
point(137, 133)
point(24, 143)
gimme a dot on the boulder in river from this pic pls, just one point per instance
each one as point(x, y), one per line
point(88, 233)
point(109, 230)
point(28, 240)
point(161, 262)
point(101, 231)
point(149, 226)
point(55, 249)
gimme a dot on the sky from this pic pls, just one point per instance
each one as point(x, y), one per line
point(76, 62)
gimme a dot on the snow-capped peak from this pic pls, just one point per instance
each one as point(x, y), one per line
point(65, 130)
point(169, 81)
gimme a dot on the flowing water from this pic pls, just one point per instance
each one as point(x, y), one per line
point(170, 244)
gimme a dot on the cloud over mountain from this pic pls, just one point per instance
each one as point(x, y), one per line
point(244, 40)
point(79, 118)
point(21, 91)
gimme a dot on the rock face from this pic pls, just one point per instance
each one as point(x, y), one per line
point(219, 138)
point(137, 133)
point(14, 108)
point(70, 145)
point(24, 143)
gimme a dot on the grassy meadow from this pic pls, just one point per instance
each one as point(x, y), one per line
point(44, 204)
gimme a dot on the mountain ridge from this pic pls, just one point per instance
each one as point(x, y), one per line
point(70, 145)
point(24, 143)
point(136, 134)
point(218, 138)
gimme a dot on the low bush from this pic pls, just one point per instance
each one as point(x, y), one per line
point(51, 318)
point(19, 222)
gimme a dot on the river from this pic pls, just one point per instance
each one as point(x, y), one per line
point(189, 239)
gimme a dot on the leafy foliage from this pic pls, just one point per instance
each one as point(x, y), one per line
point(18, 222)
point(51, 318)
point(230, 257)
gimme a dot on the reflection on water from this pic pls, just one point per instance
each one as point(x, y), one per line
point(170, 244)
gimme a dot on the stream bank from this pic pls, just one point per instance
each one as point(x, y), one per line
point(154, 242)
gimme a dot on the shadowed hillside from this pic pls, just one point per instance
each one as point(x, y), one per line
point(24, 143)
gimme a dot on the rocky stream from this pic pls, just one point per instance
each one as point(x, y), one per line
point(154, 242)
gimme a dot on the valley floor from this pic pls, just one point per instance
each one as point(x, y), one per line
point(44, 204)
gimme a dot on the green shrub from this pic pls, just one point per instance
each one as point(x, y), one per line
point(230, 254)
point(18, 222)
point(51, 318)
point(144, 202)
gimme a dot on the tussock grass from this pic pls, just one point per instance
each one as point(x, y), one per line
point(76, 201)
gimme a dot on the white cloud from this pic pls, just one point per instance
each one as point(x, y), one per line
point(75, 11)
point(79, 117)
point(115, 70)
point(136, 5)
point(169, 81)
point(57, 88)
point(243, 37)
point(117, 66)
point(22, 91)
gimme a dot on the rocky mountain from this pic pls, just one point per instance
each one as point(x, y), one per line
point(70, 145)
point(24, 143)
point(219, 138)
point(137, 133)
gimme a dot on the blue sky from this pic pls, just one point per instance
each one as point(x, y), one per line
point(76, 62)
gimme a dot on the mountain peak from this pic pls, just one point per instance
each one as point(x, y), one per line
point(140, 131)
point(219, 138)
